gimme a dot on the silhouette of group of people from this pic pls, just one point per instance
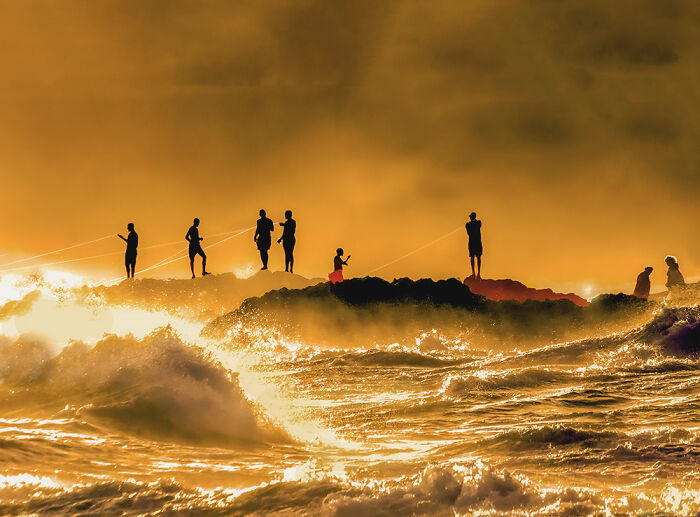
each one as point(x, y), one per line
point(674, 278)
point(262, 238)
point(641, 289)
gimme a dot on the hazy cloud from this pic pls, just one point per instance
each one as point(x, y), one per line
point(448, 105)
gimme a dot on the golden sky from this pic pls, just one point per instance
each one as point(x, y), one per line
point(571, 128)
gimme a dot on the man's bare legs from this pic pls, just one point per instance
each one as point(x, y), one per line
point(130, 269)
point(476, 273)
point(204, 264)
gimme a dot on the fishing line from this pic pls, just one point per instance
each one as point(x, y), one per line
point(166, 260)
point(240, 232)
point(21, 268)
point(57, 251)
point(169, 259)
point(415, 251)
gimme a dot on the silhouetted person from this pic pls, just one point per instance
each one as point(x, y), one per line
point(475, 247)
point(674, 275)
point(194, 239)
point(288, 240)
point(338, 263)
point(263, 238)
point(643, 286)
point(132, 243)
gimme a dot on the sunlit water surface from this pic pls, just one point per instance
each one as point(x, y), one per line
point(156, 418)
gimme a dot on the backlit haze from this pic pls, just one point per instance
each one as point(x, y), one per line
point(571, 128)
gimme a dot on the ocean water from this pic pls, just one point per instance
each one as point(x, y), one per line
point(125, 410)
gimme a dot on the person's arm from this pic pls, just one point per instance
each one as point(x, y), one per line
point(122, 238)
point(187, 237)
point(346, 260)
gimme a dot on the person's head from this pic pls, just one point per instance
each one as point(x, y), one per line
point(263, 213)
point(339, 252)
point(288, 214)
point(671, 260)
point(130, 227)
point(196, 221)
point(648, 270)
point(472, 216)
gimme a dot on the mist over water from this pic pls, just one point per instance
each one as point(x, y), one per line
point(128, 408)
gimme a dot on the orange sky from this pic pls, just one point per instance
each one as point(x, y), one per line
point(572, 128)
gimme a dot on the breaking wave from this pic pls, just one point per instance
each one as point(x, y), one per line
point(155, 386)
point(676, 330)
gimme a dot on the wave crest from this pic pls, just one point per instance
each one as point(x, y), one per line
point(676, 330)
point(157, 385)
point(460, 386)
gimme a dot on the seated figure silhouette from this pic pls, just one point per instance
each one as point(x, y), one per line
point(194, 239)
point(288, 240)
point(674, 276)
point(263, 238)
point(132, 243)
point(475, 247)
point(338, 263)
point(643, 286)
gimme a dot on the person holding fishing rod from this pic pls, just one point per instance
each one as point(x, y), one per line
point(337, 275)
point(132, 243)
point(194, 239)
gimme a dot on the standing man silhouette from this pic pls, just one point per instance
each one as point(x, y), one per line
point(194, 239)
point(263, 238)
point(132, 243)
point(475, 247)
point(288, 241)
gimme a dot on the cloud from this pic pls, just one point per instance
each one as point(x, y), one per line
point(274, 102)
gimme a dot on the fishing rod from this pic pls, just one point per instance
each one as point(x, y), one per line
point(414, 251)
point(27, 259)
point(181, 253)
point(78, 245)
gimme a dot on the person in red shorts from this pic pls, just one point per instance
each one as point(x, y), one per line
point(338, 263)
